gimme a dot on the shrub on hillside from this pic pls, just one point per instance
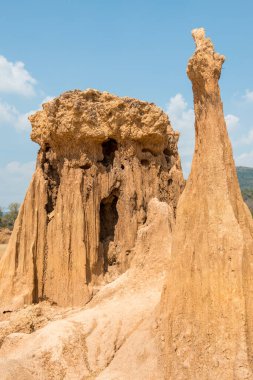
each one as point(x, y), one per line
point(7, 219)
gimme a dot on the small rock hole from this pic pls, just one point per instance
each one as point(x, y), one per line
point(108, 220)
point(109, 148)
point(145, 163)
point(85, 167)
point(47, 148)
point(167, 155)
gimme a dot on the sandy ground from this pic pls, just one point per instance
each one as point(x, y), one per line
point(116, 336)
point(2, 249)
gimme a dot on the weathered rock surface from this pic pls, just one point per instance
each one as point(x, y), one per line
point(208, 300)
point(115, 336)
point(102, 159)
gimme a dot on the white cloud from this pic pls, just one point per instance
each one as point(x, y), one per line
point(246, 139)
point(14, 179)
point(248, 96)
point(245, 159)
point(22, 123)
point(46, 99)
point(14, 78)
point(181, 116)
point(24, 169)
point(232, 121)
point(182, 120)
point(9, 115)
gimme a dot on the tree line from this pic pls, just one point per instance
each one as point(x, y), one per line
point(7, 219)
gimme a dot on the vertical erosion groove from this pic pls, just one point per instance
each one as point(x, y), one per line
point(52, 177)
point(35, 295)
point(108, 221)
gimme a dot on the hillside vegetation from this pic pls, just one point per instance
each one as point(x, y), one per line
point(7, 219)
point(245, 177)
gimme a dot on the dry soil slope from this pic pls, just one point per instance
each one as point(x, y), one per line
point(116, 336)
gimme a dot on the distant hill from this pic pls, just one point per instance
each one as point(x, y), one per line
point(245, 177)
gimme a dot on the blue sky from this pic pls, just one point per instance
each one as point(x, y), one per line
point(131, 48)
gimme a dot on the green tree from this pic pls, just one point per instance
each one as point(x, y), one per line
point(13, 212)
point(9, 218)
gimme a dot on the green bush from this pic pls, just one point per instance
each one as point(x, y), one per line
point(7, 220)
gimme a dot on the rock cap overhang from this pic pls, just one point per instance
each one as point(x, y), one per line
point(78, 117)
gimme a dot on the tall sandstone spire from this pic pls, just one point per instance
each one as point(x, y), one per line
point(208, 297)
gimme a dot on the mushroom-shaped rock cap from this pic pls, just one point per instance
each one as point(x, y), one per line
point(79, 116)
point(205, 64)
